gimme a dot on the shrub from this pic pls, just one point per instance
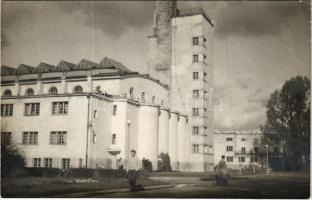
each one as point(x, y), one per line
point(43, 172)
point(147, 165)
point(11, 160)
point(164, 163)
point(93, 173)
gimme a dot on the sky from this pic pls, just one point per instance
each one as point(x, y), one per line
point(257, 45)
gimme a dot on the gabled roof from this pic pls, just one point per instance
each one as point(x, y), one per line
point(110, 63)
point(25, 69)
point(85, 64)
point(64, 66)
point(44, 67)
point(6, 71)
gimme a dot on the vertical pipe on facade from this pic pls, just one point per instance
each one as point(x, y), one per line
point(88, 126)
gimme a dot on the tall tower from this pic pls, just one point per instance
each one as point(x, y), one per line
point(159, 55)
point(180, 55)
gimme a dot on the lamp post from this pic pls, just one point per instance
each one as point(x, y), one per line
point(253, 164)
point(267, 158)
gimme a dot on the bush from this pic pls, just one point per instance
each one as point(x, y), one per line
point(43, 172)
point(11, 160)
point(164, 164)
point(147, 165)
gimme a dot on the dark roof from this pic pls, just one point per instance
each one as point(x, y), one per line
point(110, 63)
point(44, 67)
point(64, 66)
point(6, 71)
point(194, 11)
point(85, 64)
point(25, 69)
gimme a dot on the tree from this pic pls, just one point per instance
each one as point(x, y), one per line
point(287, 127)
point(11, 160)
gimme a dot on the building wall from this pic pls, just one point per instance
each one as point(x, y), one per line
point(163, 138)
point(173, 131)
point(184, 29)
point(221, 143)
point(74, 123)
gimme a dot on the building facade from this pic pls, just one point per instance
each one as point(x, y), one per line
point(240, 149)
point(91, 114)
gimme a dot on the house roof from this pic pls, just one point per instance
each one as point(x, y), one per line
point(25, 69)
point(6, 71)
point(110, 63)
point(64, 66)
point(44, 67)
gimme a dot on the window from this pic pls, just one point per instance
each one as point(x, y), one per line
point(77, 89)
point(30, 137)
point(59, 107)
point(256, 149)
point(162, 102)
point(229, 148)
point(195, 148)
point(131, 93)
point(205, 57)
point(195, 58)
point(195, 75)
point(153, 100)
point(94, 138)
point(243, 139)
point(36, 162)
point(195, 93)
point(195, 130)
point(229, 159)
point(58, 137)
point(32, 109)
point(53, 90)
point(7, 93)
point(143, 97)
point(95, 114)
point(241, 159)
point(6, 138)
point(256, 141)
point(6, 110)
point(47, 162)
point(195, 41)
point(65, 163)
point(195, 112)
point(29, 92)
point(229, 139)
point(113, 138)
point(206, 148)
point(243, 150)
point(114, 109)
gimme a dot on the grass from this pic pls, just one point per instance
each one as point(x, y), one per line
point(50, 186)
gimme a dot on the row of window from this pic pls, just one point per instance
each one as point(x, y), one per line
point(196, 93)
point(48, 162)
point(195, 41)
point(196, 76)
point(195, 130)
point(31, 137)
point(231, 159)
point(196, 148)
point(32, 109)
point(195, 111)
point(52, 90)
point(243, 149)
point(255, 140)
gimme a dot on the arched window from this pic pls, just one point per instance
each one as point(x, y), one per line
point(77, 89)
point(7, 92)
point(143, 97)
point(131, 93)
point(29, 92)
point(53, 90)
point(153, 99)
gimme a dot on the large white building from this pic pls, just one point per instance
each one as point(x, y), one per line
point(90, 114)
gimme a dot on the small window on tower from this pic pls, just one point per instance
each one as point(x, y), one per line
point(195, 58)
point(113, 138)
point(195, 41)
point(114, 109)
point(195, 93)
point(195, 75)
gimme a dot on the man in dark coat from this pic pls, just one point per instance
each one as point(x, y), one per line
point(221, 172)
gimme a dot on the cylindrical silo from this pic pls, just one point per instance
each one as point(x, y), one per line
point(148, 134)
point(181, 143)
point(163, 137)
point(173, 129)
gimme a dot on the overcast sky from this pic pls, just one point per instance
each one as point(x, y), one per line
point(257, 45)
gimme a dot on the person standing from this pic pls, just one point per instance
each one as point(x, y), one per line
point(221, 172)
point(132, 166)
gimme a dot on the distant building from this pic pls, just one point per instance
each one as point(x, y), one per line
point(91, 114)
point(240, 149)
